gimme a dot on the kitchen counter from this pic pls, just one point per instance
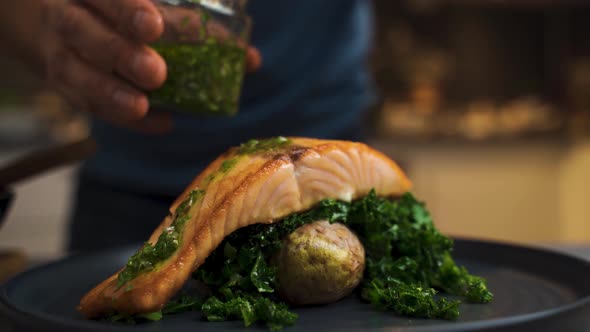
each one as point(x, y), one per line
point(529, 191)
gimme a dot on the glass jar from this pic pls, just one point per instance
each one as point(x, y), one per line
point(204, 46)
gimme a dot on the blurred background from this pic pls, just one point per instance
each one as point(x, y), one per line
point(486, 105)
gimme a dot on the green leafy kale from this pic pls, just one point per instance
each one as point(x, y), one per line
point(407, 258)
point(183, 304)
point(404, 244)
point(409, 299)
point(407, 261)
point(250, 309)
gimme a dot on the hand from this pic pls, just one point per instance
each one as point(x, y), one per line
point(96, 56)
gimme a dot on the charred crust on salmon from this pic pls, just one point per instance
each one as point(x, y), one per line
point(296, 152)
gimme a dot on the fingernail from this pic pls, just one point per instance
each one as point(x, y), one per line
point(144, 22)
point(124, 98)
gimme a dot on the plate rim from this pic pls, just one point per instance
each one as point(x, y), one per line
point(10, 311)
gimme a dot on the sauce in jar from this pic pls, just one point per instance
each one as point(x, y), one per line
point(205, 71)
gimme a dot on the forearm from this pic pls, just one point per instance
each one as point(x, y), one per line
point(20, 26)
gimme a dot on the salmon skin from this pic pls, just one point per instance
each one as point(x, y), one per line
point(259, 182)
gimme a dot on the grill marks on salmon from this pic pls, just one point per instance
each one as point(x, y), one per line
point(261, 187)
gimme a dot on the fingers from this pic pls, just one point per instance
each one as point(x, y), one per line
point(253, 59)
point(108, 50)
point(137, 19)
point(109, 98)
point(101, 69)
point(112, 100)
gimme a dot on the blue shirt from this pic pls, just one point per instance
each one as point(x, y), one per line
point(314, 82)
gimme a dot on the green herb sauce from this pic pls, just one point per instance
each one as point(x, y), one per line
point(202, 78)
point(225, 167)
point(150, 256)
point(269, 144)
point(250, 147)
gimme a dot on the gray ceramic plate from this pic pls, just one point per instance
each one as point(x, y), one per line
point(534, 290)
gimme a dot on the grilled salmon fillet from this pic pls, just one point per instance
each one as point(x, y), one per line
point(257, 182)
